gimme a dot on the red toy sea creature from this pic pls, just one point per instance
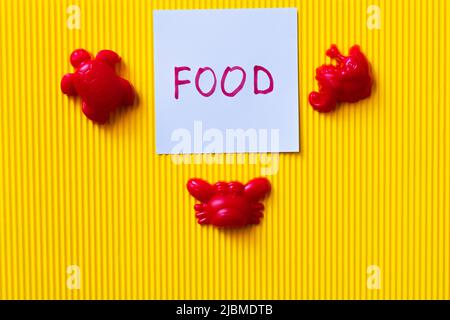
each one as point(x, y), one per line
point(229, 204)
point(348, 81)
point(96, 82)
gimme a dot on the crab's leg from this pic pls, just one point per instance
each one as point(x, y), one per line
point(257, 212)
point(257, 206)
point(256, 217)
point(128, 92)
point(202, 217)
point(94, 115)
point(199, 207)
point(200, 214)
point(203, 220)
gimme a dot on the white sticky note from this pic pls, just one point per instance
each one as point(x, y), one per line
point(226, 81)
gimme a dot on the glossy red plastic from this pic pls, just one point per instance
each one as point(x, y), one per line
point(349, 80)
point(229, 204)
point(95, 80)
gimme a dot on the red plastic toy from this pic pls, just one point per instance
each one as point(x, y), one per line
point(229, 204)
point(348, 81)
point(96, 82)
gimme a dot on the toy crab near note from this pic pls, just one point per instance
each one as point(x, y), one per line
point(101, 90)
point(229, 204)
point(350, 80)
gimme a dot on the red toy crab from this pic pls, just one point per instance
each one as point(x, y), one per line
point(229, 204)
point(348, 81)
point(96, 82)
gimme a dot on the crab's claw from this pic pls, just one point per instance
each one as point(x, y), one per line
point(109, 57)
point(324, 101)
point(257, 189)
point(200, 189)
point(78, 57)
point(334, 53)
point(67, 86)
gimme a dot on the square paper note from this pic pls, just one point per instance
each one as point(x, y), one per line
point(226, 81)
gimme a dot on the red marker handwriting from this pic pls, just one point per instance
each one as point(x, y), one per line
point(182, 78)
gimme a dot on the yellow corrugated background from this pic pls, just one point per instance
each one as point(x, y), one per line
point(371, 185)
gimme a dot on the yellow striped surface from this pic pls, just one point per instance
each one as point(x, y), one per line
point(371, 185)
